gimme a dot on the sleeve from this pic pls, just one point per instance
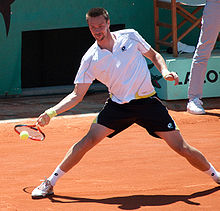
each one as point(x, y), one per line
point(84, 74)
point(143, 46)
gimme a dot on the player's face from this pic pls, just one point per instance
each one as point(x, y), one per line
point(98, 27)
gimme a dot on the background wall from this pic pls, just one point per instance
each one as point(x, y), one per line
point(30, 15)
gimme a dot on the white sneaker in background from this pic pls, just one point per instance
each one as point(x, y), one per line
point(194, 106)
point(184, 48)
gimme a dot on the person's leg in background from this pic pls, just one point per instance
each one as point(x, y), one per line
point(208, 36)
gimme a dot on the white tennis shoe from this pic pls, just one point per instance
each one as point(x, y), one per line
point(195, 106)
point(218, 180)
point(43, 190)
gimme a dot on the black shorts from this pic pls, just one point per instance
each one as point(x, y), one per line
point(149, 113)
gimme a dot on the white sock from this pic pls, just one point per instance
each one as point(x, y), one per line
point(213, 173)
point(56, 175)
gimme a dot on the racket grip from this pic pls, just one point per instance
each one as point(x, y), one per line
point(51, 112)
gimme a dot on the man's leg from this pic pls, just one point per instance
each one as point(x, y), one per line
point(194, 156)
point(96, 133)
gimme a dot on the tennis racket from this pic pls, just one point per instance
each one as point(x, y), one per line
point(34, 131)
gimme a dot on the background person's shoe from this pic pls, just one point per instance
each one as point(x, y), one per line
point(184, 48)
point(195, 106)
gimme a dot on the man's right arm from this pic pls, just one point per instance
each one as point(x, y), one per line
point(67, 103)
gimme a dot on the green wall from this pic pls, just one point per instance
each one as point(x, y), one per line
point(30, 15)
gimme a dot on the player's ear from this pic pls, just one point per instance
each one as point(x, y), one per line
point(108, 22)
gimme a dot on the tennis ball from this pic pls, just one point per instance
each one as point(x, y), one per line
point(24, 135)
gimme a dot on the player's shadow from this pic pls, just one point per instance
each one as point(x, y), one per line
point(212, 114)
point(137, 201)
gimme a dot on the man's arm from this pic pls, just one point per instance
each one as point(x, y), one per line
point(67, 103)
point(160, 64)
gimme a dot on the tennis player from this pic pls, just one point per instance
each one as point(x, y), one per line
point(117, 59)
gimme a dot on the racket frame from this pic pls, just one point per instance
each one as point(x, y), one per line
point(33, 127)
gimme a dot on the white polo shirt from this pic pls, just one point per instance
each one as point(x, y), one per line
point(124, 70)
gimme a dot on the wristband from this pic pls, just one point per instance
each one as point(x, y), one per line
point(51, 112)
point(165, 72)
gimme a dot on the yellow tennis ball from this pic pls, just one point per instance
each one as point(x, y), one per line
point(24, 135)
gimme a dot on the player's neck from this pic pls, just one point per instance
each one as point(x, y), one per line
point(108, 42)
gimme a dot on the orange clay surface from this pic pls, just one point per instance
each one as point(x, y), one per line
point(132, 171)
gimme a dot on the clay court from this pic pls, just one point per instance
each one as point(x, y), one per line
point(132, 171)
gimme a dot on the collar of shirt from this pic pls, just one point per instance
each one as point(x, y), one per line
point(116, 42)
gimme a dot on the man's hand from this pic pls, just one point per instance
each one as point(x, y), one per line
point(43, 120)
point(172, 76)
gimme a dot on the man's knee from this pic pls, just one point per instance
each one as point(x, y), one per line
point(94, 136)
point(86, 143)
point(184, 150)
point(91, 139)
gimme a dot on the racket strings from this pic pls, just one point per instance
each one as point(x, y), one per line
point(34, 133)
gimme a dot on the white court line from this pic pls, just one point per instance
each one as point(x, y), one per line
point(58, 117)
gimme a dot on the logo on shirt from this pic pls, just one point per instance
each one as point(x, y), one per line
point(123, 49)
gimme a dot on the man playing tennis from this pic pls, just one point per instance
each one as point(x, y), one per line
point(117, 60)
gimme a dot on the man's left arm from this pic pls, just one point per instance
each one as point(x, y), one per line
point(160, 64)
